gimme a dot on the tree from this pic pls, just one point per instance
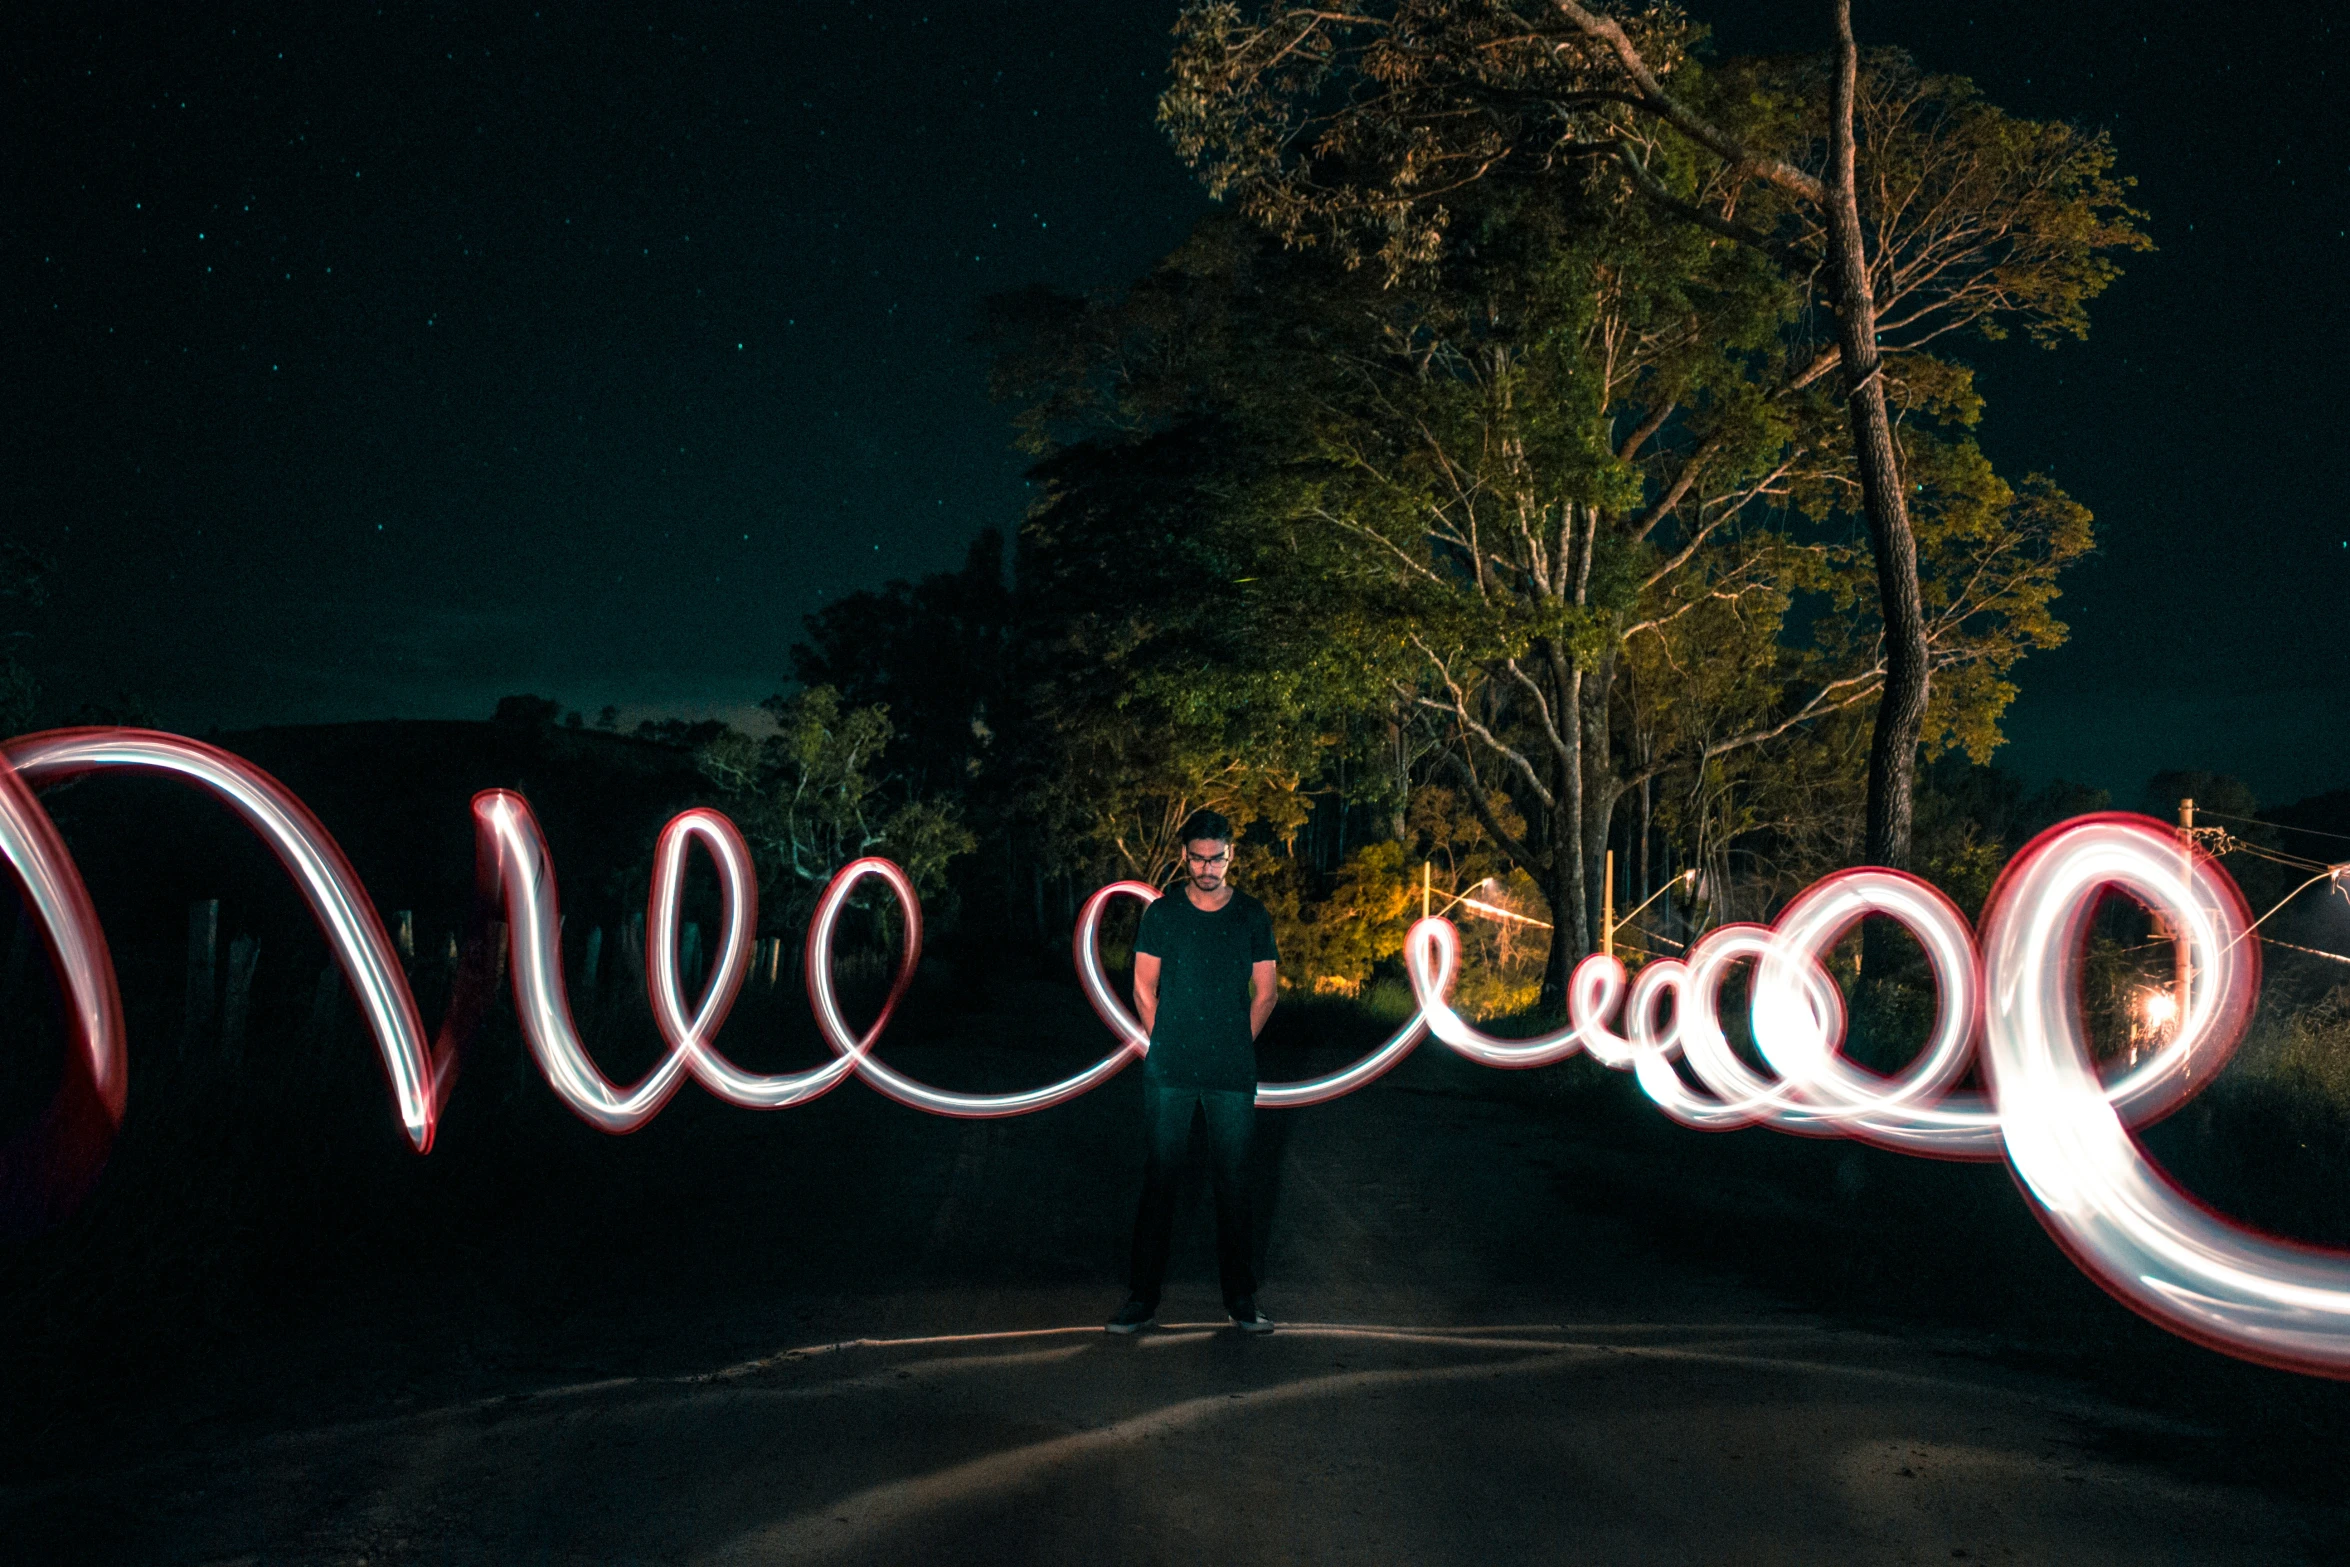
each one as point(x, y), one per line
point(935, 654)
point(1555, 493)
point(1156, 667)
point(811, 797)
point(1907, 206)
point(526, 712)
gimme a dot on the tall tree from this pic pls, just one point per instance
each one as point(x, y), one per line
point(1551, 492)
point(1900, 201)
point(1157, 654)
point(936, 656)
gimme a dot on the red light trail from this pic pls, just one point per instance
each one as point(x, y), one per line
point(2008, 1013)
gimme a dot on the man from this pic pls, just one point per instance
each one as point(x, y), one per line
point(1205, 977)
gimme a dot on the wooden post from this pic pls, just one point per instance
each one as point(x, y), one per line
point(203, 941)
point(326, 999)
point(1427, 870)
point(632, 948)
point(236, 1007)
point(1607, 906)
point(404, 934)
point(2184, 966)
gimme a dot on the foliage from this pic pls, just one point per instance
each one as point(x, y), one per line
point(1553, 501)
point(525, 711)
point(810, 798)
point(935, 654)
point(1333, 942)
point(1591, 416)
point(1447, 831)
point(1337, 930)
point(1366, 130)
point(1167, 669)
point(2313, 1056)
point(681, 734)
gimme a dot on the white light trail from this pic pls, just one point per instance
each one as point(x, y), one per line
point(2063, 1128)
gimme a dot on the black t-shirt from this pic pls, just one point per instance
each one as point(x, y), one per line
point(1200, 1038)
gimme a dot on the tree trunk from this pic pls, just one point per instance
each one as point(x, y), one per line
point(1564, 889)
point(1600, 788)
point(1901, 712)
point(1579, 827)
point(1645, 887)
point(1569, 880)
point(1399, 759)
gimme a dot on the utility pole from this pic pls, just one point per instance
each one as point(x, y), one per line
point(2184, 961)
point(1607, 906)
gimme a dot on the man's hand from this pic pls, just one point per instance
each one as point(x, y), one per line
point(1146, 989)
point(1264, 988)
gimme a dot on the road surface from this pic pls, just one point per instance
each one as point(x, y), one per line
point(889, 1351)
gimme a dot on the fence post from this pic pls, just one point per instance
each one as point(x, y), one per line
point(203, 939)
point(237, 1005)
point(325, 1002)
point(632, 948)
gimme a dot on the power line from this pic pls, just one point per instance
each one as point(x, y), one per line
point(2255, 821)
point(2312, 951)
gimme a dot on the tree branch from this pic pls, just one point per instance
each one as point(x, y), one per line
point(1510, 843)
point(1679, 489)
point(1794, 258)
point(1653, 97)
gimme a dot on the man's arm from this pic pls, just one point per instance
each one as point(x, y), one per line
point(1146, 989)
point(1264, 988)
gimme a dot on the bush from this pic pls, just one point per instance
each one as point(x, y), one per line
point(2312, 1054)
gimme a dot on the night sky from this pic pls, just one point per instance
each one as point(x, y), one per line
point(368, 363)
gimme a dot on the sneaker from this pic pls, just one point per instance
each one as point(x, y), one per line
point(1132, 1317)
point(1247, 1318)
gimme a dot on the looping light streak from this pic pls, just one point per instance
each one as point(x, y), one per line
point(2116, 1214)
point(2008, 1014)
point(1128, 1028)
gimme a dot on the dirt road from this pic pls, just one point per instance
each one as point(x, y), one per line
point(892, 1353)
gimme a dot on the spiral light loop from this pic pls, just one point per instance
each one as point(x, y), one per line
point(906, 1090)
point(1124, 1024)
point(2118, 1216)
point(1432, 955)
point(2063, 1128)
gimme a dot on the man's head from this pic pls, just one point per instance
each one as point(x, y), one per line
point(1207, 850)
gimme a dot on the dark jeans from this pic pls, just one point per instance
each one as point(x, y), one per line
point(1167, 1116)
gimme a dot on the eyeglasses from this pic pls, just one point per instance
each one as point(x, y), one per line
point(1206, 861)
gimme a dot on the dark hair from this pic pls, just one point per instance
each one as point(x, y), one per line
point(1207, 824)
